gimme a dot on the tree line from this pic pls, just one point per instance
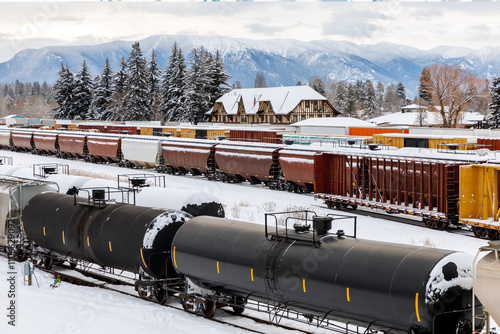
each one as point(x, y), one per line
point(29, 98)
point(141, 91)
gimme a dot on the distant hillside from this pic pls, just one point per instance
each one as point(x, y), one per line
point(283, 61)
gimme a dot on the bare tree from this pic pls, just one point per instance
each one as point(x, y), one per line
point(453, 89)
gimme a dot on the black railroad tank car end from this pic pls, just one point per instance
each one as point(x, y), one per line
point(122, 236)
point(378, 285)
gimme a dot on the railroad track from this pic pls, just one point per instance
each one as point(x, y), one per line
point(106, 282)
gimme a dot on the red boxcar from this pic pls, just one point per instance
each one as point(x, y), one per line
point(22, 141)
point(426, 188)
point(271, 137)
point(100, 128)
point(254, 163)
point(72, 145)
point(189, 157)
point(297, 166)
point(45, 142)
point(103, 148)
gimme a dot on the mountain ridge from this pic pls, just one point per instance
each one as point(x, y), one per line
point(284, 62)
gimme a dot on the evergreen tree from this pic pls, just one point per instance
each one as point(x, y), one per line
point(379, 96)
point(103, 90)
point(493, 119)
point(392, 102)
point(154, 77)
point(119, 86)
point(424, 85)
point(340, 97)
point(199, 82)
point(370, 101)
point(173, 107)
point(350, 110)
point(318, 85)
point(400, 88)
point(63, 93)
point(260, 80)
point(82, 93)
point(136, 98)
point(219, 78)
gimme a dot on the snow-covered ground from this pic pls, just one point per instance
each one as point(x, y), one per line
point(74, 309)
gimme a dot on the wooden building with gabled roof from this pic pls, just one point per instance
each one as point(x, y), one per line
point(277, 105)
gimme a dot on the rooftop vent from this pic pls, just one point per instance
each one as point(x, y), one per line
point(322, 224)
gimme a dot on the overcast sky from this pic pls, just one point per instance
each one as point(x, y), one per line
point(422, 25)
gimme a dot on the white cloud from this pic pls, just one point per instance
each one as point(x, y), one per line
point(422, 25)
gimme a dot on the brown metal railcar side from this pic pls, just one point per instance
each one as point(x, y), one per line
point(123, 129)
point(22, 141)
point(45, 142)
point(420, 187)
point(298, 169)
point(186, 157)
point(72, 145)
point(252, 163)
point(103, 148)
point(271, 137)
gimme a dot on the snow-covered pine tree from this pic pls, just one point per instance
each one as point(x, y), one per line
point(154, 78)
point(135, 100)
point(103, 90)
point(198, 81)
point(340, 97)
point(392, 102)
point(350, 108)
point(118, 87)
point(370, 101)
point(318, 85)
point(400, 88)
point(220, 79)
point(63, 93)
point(173, 84)
point(493, 118)
point(82, 93)
point(379, 95)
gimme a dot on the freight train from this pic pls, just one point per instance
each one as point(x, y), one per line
point(209, 262)
point(344, 174)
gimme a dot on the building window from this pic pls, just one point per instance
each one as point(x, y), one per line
point(307, 104)
point(315, 105)
point(295, 118)
point(272, 119)
point(224, 118)
point(243, 119)
point(303, 117)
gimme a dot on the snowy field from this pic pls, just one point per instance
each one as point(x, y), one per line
point(74, 309)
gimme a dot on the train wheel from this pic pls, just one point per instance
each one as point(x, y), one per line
point(161, 295)
point(329, 204)
point(463, 327)
point(239, 306)
point(20, 255)
point(440, 225)
point(492, 234)
point(209, 309)
point(48, 262)
point(427, 222)
point(37, 260)
point(128, 164)
point(87, 159)
point(144, 292)
point(479, 232)
point(338, 205)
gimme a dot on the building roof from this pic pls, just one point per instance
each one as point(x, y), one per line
point(342, 122)
point(408, 119)
point(413, 106)
point(283, 99)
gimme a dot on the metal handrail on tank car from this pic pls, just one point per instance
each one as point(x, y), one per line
point(108, 191)
point(305, 219)
point(44, 170)
point(453, 148)
point(159, 180)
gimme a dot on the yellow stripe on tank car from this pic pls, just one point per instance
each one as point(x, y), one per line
point(44, 234)
point(142, 257)
point(175, 262)
point(348, 296)
point(22, 226)
point(88, 241)
point(304, 285)
point(64, 240)
point(251, 273)
point(110, 249)
point(416, 307)
point(218, 272)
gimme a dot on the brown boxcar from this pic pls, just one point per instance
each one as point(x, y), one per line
point(271, 137)
point(103, 148)
point(426, 188)
point(72, 145)
point(22, 141)
point(254, 163)
point(298, 169)
point(492, 144)
point(123, 129)
point(100, 128)
point(189, 157)
point(45, 142)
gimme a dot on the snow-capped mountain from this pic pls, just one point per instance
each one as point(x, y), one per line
point(284, 62)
